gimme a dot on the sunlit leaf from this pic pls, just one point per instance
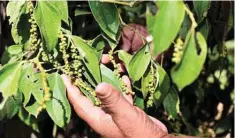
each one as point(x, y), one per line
point(164, 26)
point(9, 79)
point(49, 23)
point(192, 62)
point(139, 63)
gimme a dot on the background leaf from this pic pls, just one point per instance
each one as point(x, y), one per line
point(11, 107)
point(11, 54)
point(107, 16)
point(172, 103)
point(192, 62)
point(201, 8)
point(139, 63)
point(58, 108)
point(162, 88)
point(166, 25)
point(49, 23)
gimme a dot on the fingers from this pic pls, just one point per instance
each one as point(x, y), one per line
point(159, 124)
point(81, 104)
point(105, 59)
point(114, 102)
point(127, 81)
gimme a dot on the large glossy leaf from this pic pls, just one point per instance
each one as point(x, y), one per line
point(139, 63)
point(124, 57)
point(172, 103)
point(32, 109)
point(201, 8)
point(192, 62)
point(166, 24)
point(49, 23)
point(62, 8)
point(109, 77)
point(58, 108)
point(162, 88)
point(9, 79)
point(11, 106)
point(89, 57)
point(11, 54)
point(107, 16)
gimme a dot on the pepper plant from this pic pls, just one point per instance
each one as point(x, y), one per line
point(47, 44)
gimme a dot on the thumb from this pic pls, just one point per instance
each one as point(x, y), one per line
point(114, 102)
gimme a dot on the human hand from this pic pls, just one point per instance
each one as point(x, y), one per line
point(117, 117)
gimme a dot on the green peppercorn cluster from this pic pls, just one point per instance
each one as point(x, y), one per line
point(124, 87)
point(223, 50)
point(178, 51)
point(34, 41)
point(73, 66)
point(151, 87)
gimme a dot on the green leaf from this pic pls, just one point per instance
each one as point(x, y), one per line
point(9, 79)
point(186, 25)
point(204, 28)
point(109, 77)
point(166, 24)
point(139, 63)
point(11, 54)
point(89, 57)
point(49, 23)
point(124, 57)
point(172, 103)
point(36, 84)
point(107, 16)
point(139, 102)
point(192, 62)
point(145, 81)
point(32, 109)
point(99, 44)
point(62, 8)
point(201, 8)
point(11, 107)
point(58, 108)
point(28, 119)
point(25, 84)
point(15, 9)
point(162, 88)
